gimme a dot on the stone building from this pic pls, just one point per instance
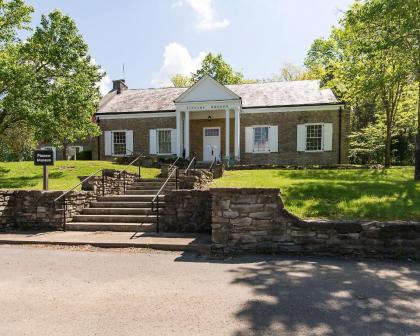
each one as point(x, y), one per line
point(262, 123)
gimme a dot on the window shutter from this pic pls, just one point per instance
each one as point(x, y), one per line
point(301, 138)
point(129, 143)
point(249, 140)
point(273, 139)
point(152, 141)
point(327, 136)
point(108, 143)
point(173, 141)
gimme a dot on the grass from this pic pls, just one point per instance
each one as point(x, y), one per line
point(62, 176)
point(389, 194)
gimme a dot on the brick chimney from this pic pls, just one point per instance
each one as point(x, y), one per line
point(119, 85)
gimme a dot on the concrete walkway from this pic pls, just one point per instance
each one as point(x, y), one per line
point(67, 291)
point(162, 241)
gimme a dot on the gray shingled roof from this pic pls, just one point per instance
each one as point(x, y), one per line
point(292, 93)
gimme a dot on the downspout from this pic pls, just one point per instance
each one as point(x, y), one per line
point(340, 116)
point(99, 142)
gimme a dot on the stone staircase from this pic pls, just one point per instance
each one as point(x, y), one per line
point(131, 212)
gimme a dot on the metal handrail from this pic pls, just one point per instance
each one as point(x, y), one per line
point(189, 165)
point(81, 182)
point(173, 163)
point(172, 170)
point(125, 170)
point(212, 164)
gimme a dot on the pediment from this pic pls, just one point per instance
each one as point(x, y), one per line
point(206, 89)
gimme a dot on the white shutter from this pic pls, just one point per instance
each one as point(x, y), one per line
point(301, 138)
point(273, 139)
point(173, 141)
point(249, 140)
point(108, 143)
point(129, 143)
point(152, 141)
point(327, 136)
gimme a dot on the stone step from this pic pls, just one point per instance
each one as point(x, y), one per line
point(118, 211)
point(115, 227)
point(115, 218)
point(129, 198)
point(124, 204)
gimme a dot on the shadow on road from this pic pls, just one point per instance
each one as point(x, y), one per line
point(319, 296)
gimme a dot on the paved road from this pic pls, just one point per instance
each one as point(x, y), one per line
point(46, 291)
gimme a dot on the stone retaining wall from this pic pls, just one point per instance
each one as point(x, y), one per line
point(254, 220)
point(187, 211)
point(35, 209)
point(111, 182)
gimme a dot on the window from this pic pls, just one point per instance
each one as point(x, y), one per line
point(211, 132)
point(314, 137)
point(164, 141)
point(261, 143)
point(119, 143)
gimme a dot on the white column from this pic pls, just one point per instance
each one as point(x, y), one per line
point(227, 131)
point(187, 134)
point(178, 133)
point(237, 134)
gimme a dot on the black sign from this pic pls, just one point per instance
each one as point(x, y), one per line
point(44, 158)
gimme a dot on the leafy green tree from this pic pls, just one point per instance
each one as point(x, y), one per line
point(216, 67)
point(290, 72)
point(49, 81)
point(181, 81)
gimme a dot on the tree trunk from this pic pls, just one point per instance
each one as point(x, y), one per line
point(388, 146)
point(417, 152)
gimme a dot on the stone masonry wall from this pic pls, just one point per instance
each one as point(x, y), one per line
point(187, 211)
point(35, 209)
point(254, 220)
point(112, 183)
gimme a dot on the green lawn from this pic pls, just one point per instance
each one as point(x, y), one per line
point(338, 194)
point(63, 175)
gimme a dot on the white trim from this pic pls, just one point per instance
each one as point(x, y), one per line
point(237, 142)
point(227, 134)
point(202, 79)
point(292, 109)
point(139, 115)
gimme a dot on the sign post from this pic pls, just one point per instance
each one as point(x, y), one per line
point(44, 158)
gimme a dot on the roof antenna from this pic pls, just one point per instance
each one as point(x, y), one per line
point(123, 71)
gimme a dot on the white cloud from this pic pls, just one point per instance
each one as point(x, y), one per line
point(206, 13)
point(105, 85)
point(176, 60)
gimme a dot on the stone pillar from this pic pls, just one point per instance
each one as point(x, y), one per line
point(237, 134)
point(227, 131)
point(178, 133)
point(187, 134)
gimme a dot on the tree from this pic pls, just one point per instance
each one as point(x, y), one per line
point(217, 68)
point(49, 81)
point(181, 81)
point(291, 72)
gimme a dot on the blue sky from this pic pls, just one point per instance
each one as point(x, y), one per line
point(156, 38)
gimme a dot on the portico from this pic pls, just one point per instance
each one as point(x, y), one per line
point(213, 110)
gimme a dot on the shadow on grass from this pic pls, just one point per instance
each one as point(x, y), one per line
point(371, 200)
point(4, 171)
point(19, 182)
point(335, 175)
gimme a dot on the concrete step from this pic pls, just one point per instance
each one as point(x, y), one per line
point(115, 218)
point(140, 187)
point(151, 184)
point(129, 198)
point(118, 211)
point(115, 227)
point(120, 205)
point(134, 239)
point(142, 192)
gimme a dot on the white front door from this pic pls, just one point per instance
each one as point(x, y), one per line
point(211, 143)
